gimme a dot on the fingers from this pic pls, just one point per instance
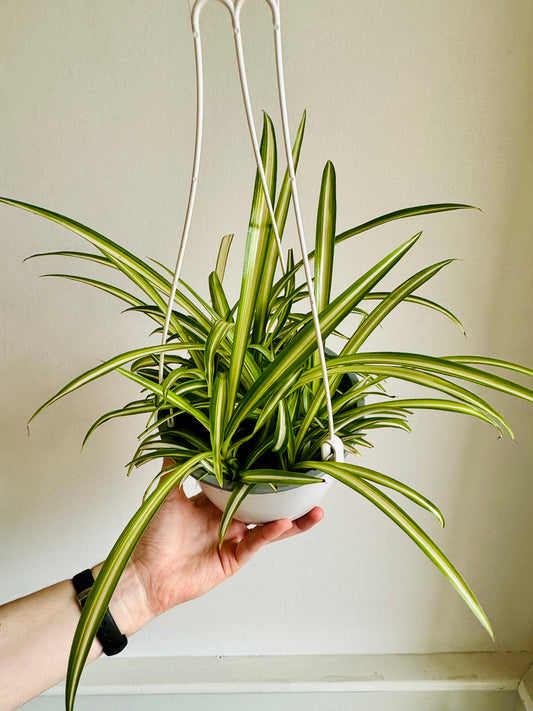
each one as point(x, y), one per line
point(260, 536)
point(304, 523)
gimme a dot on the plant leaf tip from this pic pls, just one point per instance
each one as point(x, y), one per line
point(33, 417)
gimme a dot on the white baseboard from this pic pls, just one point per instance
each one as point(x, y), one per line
point(481, 672)
point(525, 690)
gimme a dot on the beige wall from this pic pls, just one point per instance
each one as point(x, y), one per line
point(414, 101)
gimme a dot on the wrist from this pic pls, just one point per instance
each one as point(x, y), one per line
point(128, 604)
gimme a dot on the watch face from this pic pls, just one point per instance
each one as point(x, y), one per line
point(82, 596)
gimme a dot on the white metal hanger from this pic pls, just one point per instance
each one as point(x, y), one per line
point(332, 447)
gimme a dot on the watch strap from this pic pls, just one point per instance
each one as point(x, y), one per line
point(109, 635)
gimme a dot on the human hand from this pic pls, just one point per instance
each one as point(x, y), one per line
point(178, 557)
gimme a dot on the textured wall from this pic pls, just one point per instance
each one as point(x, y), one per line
point(415, 102)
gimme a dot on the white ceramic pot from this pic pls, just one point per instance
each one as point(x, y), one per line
point(263, 504)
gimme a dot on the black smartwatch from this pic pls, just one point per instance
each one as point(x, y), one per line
point(109, 635)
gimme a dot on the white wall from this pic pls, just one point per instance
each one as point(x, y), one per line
point(415, 102)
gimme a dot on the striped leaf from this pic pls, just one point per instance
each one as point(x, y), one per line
point(285, 193)
point(345, 474)
point(325, 237)
point(89, 256)
point(218, 334)
point(417, 211)
point(256, 245)
point(274, 380)
point(109, 288)
point(388, 304)
point(98, 601)
point(373, 320)
point(400, 215)
point(281, 436)
point(169, 397)
point(109, 365)
point(121, 257)
point(411, 375)
point(358, 414)
point(353, 470)
point(491, 362)
point(218, 297)
point(222, 258)
point(412, 299)
point(239, 493)
point(271, 258)
point(278, 477)
point(132, 409)
point(217, 422)
point(441, 366)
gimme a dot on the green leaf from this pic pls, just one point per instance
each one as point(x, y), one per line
point(271, 257)
point(211, 313)
point(98, 601)
point(217, 421)
point(145, 285)
point(124, 260)
point(342, 473)
point(170, 397)
point(281, 436)
point(188, 384)
point(353, 395)
point(400, 215)
point(325, 237)
point(176, 452)
point(94, 373)
point(357, 414)
point(179, 459)
point(357, 363)
point(131, 409)
point(273, 403)
point(285, 193)
point(374, 319)
point(216, 337)
point(222, 258)
point(421, 302)
point(391, 216)
point(259, 449)
point(282, 311)
point(442, 366)
point(492, 362)
point(389, 303)
point(218, 297)
point(89, 256)
point(278, 477)
point(109, 288)
point(276, 377)
point(353, 470)
point(256, 245)
point(239, 493)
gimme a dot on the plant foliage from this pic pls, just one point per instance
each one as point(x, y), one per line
point(242, 393)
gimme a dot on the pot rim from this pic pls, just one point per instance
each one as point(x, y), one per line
point(205, 477)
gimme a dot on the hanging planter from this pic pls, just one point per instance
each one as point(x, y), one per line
point(241, 396)
point(257, 502)
point(243, 383)
point(266, 502)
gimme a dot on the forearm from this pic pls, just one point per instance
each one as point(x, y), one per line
point(36, 633)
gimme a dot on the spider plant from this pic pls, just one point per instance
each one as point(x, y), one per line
point(241, 394)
